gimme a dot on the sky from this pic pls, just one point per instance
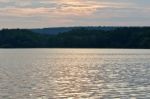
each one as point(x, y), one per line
point(62, 13)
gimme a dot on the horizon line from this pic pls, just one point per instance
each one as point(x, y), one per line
point(74, 27)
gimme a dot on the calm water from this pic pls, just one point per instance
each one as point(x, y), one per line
point(74, 74)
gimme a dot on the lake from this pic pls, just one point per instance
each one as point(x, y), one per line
point(74, 74)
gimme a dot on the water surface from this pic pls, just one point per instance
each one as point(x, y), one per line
point(74, 74)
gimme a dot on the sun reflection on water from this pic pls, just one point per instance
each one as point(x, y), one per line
point(75, 74)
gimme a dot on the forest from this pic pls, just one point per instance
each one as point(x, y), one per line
point(120, 37)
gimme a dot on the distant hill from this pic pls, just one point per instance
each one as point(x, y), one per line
point(51, 31)
point(57, 30)
point(78, 37)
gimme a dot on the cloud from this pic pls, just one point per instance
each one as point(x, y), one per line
point(74, 12)
point(63, 7)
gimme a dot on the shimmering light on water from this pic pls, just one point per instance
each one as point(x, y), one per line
point(74, 74)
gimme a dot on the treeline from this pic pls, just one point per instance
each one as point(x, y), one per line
point(121, 37)
point(19, 38)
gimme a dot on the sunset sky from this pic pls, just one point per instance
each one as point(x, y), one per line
point(55, 13)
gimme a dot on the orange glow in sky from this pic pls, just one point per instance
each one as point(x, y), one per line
point(47, 13)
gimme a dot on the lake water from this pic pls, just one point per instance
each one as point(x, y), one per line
point(74, 74)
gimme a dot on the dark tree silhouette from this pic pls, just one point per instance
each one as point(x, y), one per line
point(121, 37)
